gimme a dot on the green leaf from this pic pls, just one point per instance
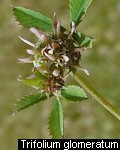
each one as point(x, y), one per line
point(83, 40)
point(29, 18)
point(39, 74)
point(56, 121)
point(73, 93)
point(78, 9)
point(35, 82)
point(29, 100)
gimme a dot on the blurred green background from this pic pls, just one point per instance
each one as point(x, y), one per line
point(81, 120)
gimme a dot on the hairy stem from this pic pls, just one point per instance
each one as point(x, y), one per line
point(96, 95)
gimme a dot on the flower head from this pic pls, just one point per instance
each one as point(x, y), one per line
point(53, 55)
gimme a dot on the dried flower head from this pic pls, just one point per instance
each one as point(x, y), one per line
point(53, 57)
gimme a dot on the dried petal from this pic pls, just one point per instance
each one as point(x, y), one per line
point(27, 42)
point(36, 32)
point(72, 29)
point(32, 52)
point(26, 60)
point(58, 29)
point(84, 70)
point(55, 23)
point(31, 76)
point(43, 50)
point(51, 57)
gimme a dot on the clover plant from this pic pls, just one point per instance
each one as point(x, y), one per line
point(56, 55)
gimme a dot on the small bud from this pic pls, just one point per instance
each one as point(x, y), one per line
point(56, 72)
point(50, 51)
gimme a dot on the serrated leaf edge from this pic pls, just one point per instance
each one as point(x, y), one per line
point(49, 121)
point(18, 100)
point(76, 101)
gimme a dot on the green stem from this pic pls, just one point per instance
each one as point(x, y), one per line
point(96, 95)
